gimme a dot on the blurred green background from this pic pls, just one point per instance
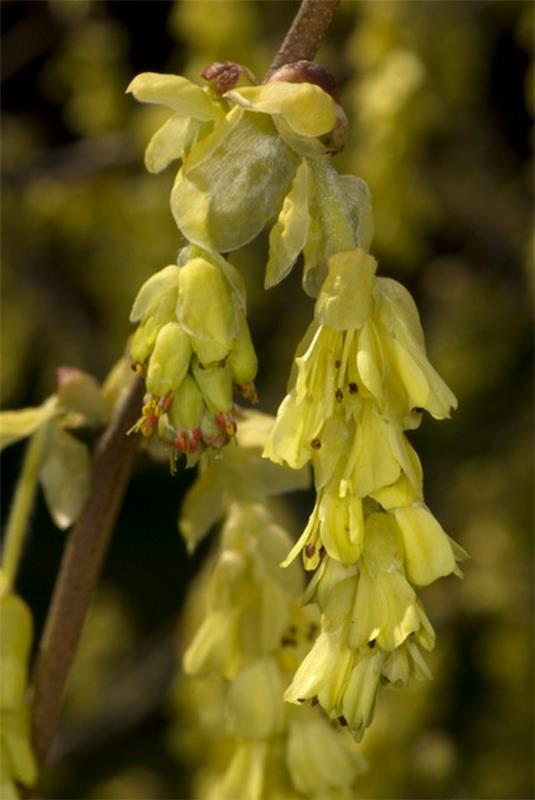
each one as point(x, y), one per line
point(440, 99)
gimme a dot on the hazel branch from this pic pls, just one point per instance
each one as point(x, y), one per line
point(80, 567)
point(306, 33)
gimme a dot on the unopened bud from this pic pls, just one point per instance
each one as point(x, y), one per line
point(152, 291)
point(242, 359)
point(226, 75)
point(169, 361)
point(215, 384)
point(187, 407)
point(205, 309)
point(143, 340)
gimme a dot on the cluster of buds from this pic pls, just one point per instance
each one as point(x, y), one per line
point(193, 347)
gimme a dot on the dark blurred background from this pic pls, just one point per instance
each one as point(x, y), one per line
point(440, 99)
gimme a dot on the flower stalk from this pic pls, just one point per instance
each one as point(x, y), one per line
point(21, 509)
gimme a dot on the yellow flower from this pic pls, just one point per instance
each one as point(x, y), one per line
point(429, 552)
point(392, 359)
point(320, 758)
point(386, 610)
point(190, 355)
point(254, 703)
point(249, 595)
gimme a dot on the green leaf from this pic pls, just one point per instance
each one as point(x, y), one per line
point(176, 92)
point(289, 234)
point(65, 478)
point(15, 425)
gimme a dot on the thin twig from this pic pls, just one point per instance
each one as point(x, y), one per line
point(306, 32)
point(80, 567)
point(114, 460)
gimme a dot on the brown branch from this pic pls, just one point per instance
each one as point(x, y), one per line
point(88, 541)
point(306, 32)
point(80, 567)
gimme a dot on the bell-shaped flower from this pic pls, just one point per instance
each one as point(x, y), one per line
point(246, 774)
point(407, 662)
point(379, 455)
point(344, 681)
point(320, 759)
point(329, 573)
point(429, 553)
point(254, 701)
point(386, 610)
point(360, 693)
point(335, 525)
point(249, 595)
point(392, 359)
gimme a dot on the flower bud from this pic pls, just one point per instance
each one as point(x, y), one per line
point(169, 361)
point(215, 383)
point(226, 75)
point(205, 309)
point(242, 359)
point(187, 407)
point(152, 291)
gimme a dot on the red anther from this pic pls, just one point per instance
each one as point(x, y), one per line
point(191, 444)
point(180, 442)
point(221, 421)
point(196, 434)
point(231, 427)
point(166, 402)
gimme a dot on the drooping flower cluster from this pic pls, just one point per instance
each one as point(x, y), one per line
point(193, 346)
point(362, 379)
point(255, 632)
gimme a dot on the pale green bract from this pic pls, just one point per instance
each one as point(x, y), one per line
point(66, 477)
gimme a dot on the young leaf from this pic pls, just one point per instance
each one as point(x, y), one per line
point(65, 478)
point(15, 425)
